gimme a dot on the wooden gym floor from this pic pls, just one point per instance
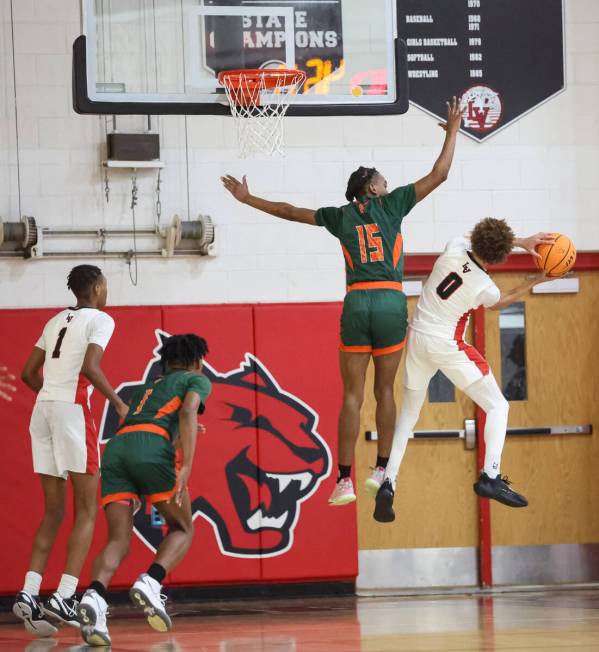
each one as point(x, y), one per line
point(520, 621)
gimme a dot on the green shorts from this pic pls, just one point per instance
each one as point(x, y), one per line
point(374, 321)
point(138, 464)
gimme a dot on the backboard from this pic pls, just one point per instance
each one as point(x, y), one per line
point(164, 56)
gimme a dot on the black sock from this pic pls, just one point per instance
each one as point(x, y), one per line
point(382, 461)
point(344, 471)
point(157, 572)
point(99, 588)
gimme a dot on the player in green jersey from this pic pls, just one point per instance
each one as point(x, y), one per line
point(374, 319)
point(140, 460)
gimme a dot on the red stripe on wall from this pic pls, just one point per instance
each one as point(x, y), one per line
point(484, 508)
point(423, 263)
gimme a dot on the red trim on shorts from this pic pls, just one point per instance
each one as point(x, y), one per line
point(115, 498)
point(91, 433)
point(472, 353)
point(388, 349)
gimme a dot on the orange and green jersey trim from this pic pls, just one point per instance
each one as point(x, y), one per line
point(376, 285)
point(145, 427)
point(155, 406)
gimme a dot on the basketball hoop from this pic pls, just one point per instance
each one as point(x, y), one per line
point(259, 100)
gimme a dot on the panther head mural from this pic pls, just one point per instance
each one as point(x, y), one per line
point(259, 459)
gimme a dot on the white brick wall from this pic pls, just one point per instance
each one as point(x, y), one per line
point(540, 173)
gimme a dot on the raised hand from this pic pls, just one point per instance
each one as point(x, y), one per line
point(454, 116)
point(239, 189)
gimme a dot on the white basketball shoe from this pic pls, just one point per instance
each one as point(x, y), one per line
point(146, 594)
point(92, 613)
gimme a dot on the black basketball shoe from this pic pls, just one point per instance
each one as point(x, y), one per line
point(63, 609)
point(29, 609)
point(383, 510)
point(498, 489)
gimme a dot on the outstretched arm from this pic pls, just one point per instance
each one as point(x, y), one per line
point(240, 190)
point(441, 167)
point(520, 291)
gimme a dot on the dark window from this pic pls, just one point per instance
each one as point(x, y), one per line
point(513, 352)
point(441, 389)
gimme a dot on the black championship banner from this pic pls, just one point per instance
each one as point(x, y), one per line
point(317, 31)
point(503, 57)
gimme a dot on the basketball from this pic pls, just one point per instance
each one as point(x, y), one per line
point(558, 258)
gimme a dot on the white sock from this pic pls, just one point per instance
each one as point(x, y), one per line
point(67, 586)
point(486, 393)
point(410, 411)
point(33, 582)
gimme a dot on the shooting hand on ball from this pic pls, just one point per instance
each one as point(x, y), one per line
point(533, 241)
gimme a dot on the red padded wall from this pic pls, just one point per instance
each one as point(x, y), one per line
point(263, 470)
point(229, 332)
point(22, 506)
point(300, 344)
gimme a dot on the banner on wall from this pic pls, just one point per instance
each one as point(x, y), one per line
point(502, 57)
point(253, 509)
point(317, 27)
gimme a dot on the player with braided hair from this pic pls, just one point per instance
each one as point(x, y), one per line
point(140, 461)
point(375, 315)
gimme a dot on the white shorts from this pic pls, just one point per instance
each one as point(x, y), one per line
point(63, 438)
point(426, 354)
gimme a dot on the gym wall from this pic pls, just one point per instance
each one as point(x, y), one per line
point(539, 173)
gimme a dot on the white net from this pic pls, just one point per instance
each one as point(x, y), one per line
point(259, 100)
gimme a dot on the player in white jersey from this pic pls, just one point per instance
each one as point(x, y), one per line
point(458, 284)
point(64, 440)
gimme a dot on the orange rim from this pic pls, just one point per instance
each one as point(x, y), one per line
point(252, 77)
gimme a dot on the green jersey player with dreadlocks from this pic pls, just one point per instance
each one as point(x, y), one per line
point(374, 319)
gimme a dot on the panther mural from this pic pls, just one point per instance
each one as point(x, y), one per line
point(260, 458)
